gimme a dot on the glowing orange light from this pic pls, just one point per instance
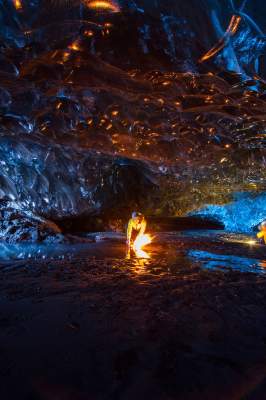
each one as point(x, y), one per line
point(103, 5)
point(142, 241)
point(88, 33)
point(230, 31)
point(224, 159)
point(66, 56)
point(74, 46)
point(17, 4)
point(251, 242)
point(141, 254)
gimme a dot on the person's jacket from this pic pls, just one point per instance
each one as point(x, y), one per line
point(134, 224)
point(262, 234)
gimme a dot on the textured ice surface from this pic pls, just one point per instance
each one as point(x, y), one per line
point(172, 31)
point(105, 112)
point(241, 215)
point(53, 180)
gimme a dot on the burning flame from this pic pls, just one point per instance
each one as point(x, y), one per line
point(142, 254)
point(141, 241)
point(103, 5)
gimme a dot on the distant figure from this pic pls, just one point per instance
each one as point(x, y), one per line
point(262, 233)
point(136, 226)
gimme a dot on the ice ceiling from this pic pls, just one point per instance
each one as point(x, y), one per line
point(108, 105)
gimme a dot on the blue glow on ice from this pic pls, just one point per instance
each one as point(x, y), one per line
point(241, 215)
point(226, 262)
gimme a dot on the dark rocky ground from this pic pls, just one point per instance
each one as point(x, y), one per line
point(102, 326)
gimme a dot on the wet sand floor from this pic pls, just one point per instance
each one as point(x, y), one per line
point(87, 322)
point(206, 249)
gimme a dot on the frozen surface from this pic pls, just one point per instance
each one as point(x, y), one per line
point(243, 214)
point(168, 252)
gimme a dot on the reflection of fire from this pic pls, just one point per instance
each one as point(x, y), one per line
point(107, 5)
point(141, 241)
point(251, 242)
point(141, 254)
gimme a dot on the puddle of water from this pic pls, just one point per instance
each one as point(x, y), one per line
point(213, 261)
point(158, 258)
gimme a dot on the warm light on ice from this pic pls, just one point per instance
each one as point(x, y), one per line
point(103, 5)
point(251, 242)
point(17, 4)
point(231, 30)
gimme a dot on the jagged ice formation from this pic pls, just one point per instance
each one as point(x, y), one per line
point(105, 110)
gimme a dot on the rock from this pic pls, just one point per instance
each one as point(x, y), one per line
point(20, 226)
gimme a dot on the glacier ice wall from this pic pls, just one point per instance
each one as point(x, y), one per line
point(58, 181)
point(102, 111)
point(245, 212)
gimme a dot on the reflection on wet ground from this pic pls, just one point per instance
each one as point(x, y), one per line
point(217, 261)
point(210, 250)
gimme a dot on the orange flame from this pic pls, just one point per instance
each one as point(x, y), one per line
point(142, 254)
point(142, 241)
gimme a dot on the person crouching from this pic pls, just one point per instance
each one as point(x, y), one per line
point(262, 233)
point(136, 227)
